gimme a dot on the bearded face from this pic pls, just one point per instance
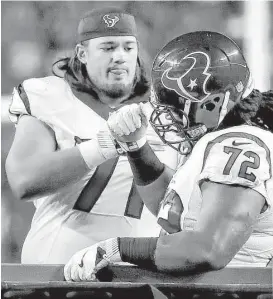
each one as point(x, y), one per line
point(111, 64)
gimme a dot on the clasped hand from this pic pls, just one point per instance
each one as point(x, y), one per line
point(128, 126)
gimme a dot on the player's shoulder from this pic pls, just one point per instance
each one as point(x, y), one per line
point(39, 97)
point(238, 135)
point(45, 85)
point(50, 93)
point(239, 155)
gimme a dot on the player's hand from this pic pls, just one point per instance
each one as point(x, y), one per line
point(84, 265)
point(128, 126)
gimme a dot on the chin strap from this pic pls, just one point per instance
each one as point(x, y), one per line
point(249, 87)
point(247, 92)
point(224, 107)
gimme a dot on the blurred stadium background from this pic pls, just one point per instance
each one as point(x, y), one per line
point(34, 34)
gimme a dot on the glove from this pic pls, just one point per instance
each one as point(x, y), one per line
point(84, 264)
point(128, 126)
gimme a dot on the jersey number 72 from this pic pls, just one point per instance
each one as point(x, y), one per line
point(235, 152)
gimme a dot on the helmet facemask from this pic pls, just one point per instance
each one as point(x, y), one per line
point(182, 127)
point(173, 126)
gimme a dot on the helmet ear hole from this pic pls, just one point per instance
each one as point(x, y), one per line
point(208, 106)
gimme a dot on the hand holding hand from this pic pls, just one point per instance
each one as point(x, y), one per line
point(128, 126)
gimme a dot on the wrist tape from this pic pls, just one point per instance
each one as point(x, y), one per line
point(96, 151)
point(112, 250)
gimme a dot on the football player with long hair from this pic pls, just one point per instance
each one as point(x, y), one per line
point(216, 209)
point(63, 158)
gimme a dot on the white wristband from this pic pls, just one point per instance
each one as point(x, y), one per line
point(133, 145)
point(95, 152)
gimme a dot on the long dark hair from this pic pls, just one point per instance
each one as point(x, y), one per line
point(256, 109)
point(75, 73)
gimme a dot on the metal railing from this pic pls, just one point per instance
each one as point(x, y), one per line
point(47, 281)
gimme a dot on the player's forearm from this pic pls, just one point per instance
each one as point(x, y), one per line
point(37, 176)
point(151, 176)
point(190, 251)
point(172, 253)
point(44, 172)
point(153, 193)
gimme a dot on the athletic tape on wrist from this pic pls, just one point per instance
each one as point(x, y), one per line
point(107, 145)
point(95, 152)
point(112, 249)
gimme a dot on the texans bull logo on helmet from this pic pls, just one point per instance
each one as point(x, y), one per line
point(189, 83)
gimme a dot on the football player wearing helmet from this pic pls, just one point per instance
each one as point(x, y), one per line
point(63, 157)
point(216, 210)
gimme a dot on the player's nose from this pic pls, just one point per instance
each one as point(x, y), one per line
point(119, 55)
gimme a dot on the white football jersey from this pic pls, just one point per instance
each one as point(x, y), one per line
point(239, 155)
point(60, 227)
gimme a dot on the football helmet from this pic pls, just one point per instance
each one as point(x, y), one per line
point(196, 79)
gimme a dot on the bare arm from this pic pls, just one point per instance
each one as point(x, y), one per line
point(225, 223)
point(34, 167)
point(153, 193)
point(152, 177)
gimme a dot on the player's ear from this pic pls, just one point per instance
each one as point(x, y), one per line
point(81, 53)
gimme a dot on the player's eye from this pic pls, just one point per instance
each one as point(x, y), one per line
point(107, 49)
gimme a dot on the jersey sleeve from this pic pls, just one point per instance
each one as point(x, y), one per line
point(23, 97)
point(238, 161)
point(19, 104)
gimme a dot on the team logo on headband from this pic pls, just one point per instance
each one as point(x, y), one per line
point(110, 21)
